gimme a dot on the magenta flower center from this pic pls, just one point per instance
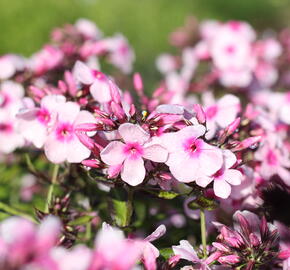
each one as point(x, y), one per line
point(192, 146)
point(64, 132)
point(230, 49)
point(272, 158)
point(43, 116)
point(133, 150)
point(6, 127)
point(211, 112)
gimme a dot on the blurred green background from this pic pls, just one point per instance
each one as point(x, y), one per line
point(25, 24)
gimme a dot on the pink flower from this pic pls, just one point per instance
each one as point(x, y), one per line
point(137, 145)
point(80, 256)
point(274, 159)
point(47, 58)
point(186, 252)
point(62, 143)
point(10, 138)
point(220, 113)
point(34, 123)
point(100, 84)
point(88, 29)
point(114, 251)
point(150, 252)
point(18, 247)
point(187, 150)
point(224, 177)
point(121, 54)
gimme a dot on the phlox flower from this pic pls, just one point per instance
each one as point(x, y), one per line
point(34, 123)
point(274, 159)
point(185, 251)
point(88, 29)
point(150, 252)
point(187, 150)
point(30, 244)
point(46, 59)
point(10, 138)
point(11, 95)
point(121, 54)
point(224, 177)
point(137, 146)
point(100, 84)
point(62, 143)
point(220, 113)
point(114, 251)
point(79, 258)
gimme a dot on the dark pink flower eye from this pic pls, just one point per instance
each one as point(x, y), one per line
point(6, 127)
point(43, 116)
point(65, 132)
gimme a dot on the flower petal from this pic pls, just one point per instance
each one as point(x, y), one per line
point(155, 153)
point(133, 133)
point(234, 177)
point(221, 188)
point(185, 251)
point(113, 153)
point(133, 171)
point(182, 167)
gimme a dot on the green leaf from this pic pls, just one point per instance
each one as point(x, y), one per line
point(168, 195)
point(81, 220)
point(120, 212)
point(122, 208)
point(166, 253)
point(203, 203)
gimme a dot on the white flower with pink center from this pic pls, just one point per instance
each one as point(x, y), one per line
point(131, 153)
point(189, 155)
point(274, 159)
point(11, 95)
point(100, 84)
point(62, 143)
point(10, 138)
point(34, 122)
point(224, 177)
point(220, 113)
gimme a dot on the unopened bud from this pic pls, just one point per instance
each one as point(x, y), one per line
point(138, 83)
point(229, 259)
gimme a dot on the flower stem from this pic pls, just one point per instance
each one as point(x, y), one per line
point(203, 232)
point(15, 212)
point(51, 187)
point(129, 205)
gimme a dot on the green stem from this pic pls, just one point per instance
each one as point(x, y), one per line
point(51, 187)
point(129, 206)
point(15, 212)
point(203, 232)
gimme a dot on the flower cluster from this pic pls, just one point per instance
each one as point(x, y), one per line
point(199, 152)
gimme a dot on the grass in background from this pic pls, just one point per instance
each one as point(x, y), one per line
point(26, 24)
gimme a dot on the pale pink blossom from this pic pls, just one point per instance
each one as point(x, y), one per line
point(224, 177)
point(188, 150)
point(114, 251)
point(62, 143)
point(186, 252)
point(88, 29)
point(121, 54)
point(274, 159)
point(100, 84)
point(47, 58)
point(136, 147)
point(34, 123)
point(220, 113)
point(10, 138)
point(150, 252)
